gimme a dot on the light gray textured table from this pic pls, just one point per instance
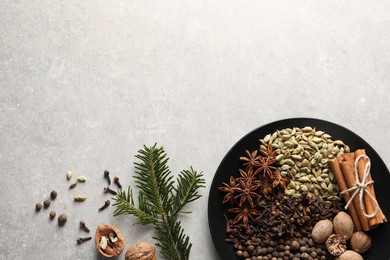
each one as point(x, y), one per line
point(84, 84)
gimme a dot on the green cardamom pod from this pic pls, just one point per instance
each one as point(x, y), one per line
point(81, 178)
point(73, 185)
point(80, 198)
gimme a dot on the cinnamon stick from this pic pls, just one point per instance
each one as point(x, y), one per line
point(347, 169)
point(335, 167)
point(368, 202)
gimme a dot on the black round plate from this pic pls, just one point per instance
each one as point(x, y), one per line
point(231, 163)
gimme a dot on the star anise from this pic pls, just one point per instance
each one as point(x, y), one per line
point(247, 176)
point(250, 159)
point(279, 180)
point(265, 166)
point(265, 186)
point(246, 192)
point(244, 213)
point(269, 153)
point(230, 189)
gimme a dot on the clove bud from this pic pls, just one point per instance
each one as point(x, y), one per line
point(106, 204)
point(116, 180)
point(107, 176)
point(108, 190)
point(83, 239)
point(84, 227)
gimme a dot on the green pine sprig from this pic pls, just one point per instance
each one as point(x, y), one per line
point(160, 201)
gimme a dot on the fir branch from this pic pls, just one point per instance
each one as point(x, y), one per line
point(189, 181)
point(159, 201)
point(125, 205)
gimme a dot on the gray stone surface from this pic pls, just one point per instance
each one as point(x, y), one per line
point(84, 84)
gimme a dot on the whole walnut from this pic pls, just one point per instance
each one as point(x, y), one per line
point(350, 255)
point(343, 225)
point(360, 242)
point(322, 230)
point(141, 251)
point(109, 240)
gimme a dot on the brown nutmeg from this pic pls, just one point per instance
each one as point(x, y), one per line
point(343, 225)
point(109, 240)
point(322, 230)
point(360, 242)
point(349, 255)
point(336, 244)
point(141, 251)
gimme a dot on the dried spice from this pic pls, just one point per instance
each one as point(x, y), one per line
point(81, 179)
point(303, 154)
point(69, 175)
point(53, 194)
point(281, 225)
point(79, 198)
point(265, 221)
point(259, 178)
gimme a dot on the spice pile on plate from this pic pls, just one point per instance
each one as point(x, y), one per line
point(284, 189)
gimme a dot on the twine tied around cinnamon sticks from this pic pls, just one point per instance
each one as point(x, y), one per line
point(361, 186)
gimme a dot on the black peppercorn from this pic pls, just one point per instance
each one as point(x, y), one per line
point(239, 253)
point(303, 249)
point(62, 219)
point(46, 203)
point(52, 215)
point(53, 195)
point(250, 248)
point(38, 206)
point(245, 254)
point(295, 245)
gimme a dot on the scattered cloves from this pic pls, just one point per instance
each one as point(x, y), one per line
point(83, 239)
point(108, 190)
point(106, 204)
point(107, 176)
point(84, 227)
point(116, 180)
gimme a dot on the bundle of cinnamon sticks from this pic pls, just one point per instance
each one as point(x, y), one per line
point(343, 169)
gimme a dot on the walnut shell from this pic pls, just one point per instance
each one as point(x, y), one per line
point(343, 225)
point(336, 244)
point(349, 255)
point(116, 247)
point(141, 251)
point(322, 230)
point(360, 242)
